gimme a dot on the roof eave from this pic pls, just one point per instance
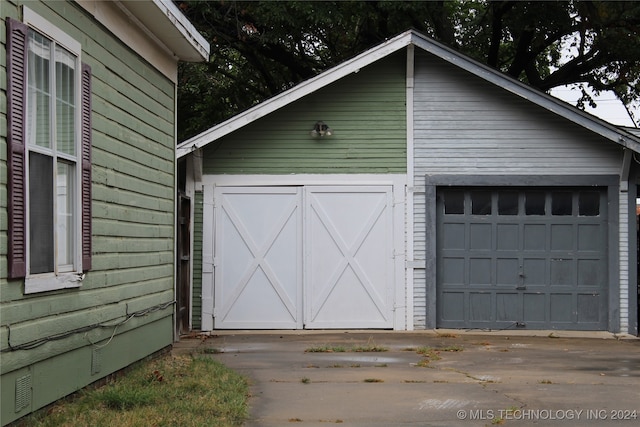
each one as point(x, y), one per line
point(165, 22)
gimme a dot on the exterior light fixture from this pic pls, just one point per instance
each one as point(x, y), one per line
point(321, 129)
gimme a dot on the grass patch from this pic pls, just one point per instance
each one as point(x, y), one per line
point(369, 347)
point(545, 382)
point(305, 380)
point(446, 335)
point(373, 380)
point(326, 349)
point(430, 354)
point(451, 348)
point(169, 391)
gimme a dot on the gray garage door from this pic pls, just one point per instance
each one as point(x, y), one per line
point(522, 258)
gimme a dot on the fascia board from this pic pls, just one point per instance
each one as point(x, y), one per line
point(167, 24)
point(301, 90)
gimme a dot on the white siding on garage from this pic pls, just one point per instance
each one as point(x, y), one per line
point(624, 262)
point(464, 125)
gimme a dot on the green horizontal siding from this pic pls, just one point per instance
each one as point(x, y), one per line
point(133, 220)
point(196, 309)
point(70, 371)
point(366, 110)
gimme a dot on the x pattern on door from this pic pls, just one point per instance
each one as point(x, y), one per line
point(348, 257)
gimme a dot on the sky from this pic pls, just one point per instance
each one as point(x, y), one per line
point(609, 107)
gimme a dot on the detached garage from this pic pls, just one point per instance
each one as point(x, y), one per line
point(411, 188)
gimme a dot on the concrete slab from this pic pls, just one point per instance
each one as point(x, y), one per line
point(463, 379)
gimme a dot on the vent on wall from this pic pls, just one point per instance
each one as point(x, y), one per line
point(23, 392)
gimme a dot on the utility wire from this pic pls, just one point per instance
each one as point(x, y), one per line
point(84, 329)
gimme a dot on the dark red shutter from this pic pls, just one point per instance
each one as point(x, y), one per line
point(17, 111)
point(86, 167)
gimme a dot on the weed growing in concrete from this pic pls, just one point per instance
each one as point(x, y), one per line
point(305, 380)
point(326, 349)
point(370, 347)
point(373, 380)
point(446, 335)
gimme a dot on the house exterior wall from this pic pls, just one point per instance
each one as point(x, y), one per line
point(464, 125)
point(366, 111)
point(133, 163)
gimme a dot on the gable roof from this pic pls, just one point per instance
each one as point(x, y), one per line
point(411, 37)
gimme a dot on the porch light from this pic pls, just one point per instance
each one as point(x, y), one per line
point(321, 129)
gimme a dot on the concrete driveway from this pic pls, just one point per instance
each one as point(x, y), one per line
point(443, 378)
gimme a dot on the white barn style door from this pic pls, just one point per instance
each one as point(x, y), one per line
point(348, 257)
point(329, 246)
point(258, 262)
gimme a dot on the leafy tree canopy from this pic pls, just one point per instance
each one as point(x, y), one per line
point(261, 48)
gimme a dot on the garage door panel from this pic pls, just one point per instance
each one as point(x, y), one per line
point(562, 237)
point(353, 227)
point(452, 307)
point(258, 267)
point(562, 308)
point(534, 271)
point(535, 237)
point(480, 307)
point(534, 308)
point(480, 272)
point(590, 273)
point(453, 271)
point(507, 271)
point(508, 306)
point(508, 237)
point(589, 308)
point(480, 237)
point(454, 236)
point(535, 258)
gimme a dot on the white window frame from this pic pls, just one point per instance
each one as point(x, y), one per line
point(73, 279)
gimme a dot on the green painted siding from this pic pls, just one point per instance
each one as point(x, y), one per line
point(366, 110)
point(133, 227)
point(196, 310)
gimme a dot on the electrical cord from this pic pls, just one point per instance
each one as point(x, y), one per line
point(85, 329)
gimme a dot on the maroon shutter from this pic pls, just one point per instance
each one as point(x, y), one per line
point(86, 167)
point(17, 111)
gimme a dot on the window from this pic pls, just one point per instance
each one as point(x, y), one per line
point(49, 135)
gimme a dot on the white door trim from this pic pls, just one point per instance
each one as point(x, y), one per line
point(397, 181)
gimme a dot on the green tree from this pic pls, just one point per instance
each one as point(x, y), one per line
point(261, 48)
